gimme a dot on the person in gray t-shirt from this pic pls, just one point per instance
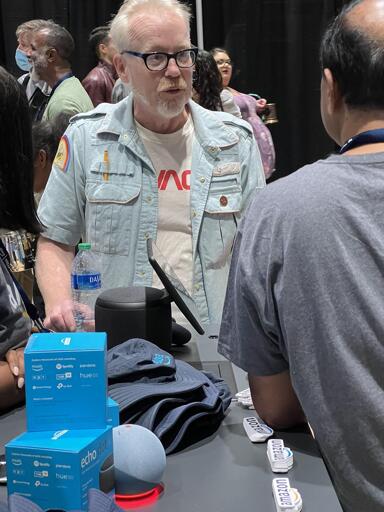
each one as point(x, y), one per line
point(304, 311)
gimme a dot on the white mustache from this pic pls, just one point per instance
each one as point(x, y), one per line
point(171, 85)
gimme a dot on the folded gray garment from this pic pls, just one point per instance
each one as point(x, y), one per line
point(139, 361)
point(180, 409)
point(97, 502)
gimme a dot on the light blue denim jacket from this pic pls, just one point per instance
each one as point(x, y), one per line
point(118, 215)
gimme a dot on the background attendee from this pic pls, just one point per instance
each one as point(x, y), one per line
point(304, 307)
point(100, 80)
point(144, 168)
point(208, 86)
point(17, 211)
point(250, 109)
point(119, 92)
point(46, 137)
point(50, 54)
point(37, 91)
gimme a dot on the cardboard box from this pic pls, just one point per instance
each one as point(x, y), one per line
point(113, 413)
point(66, 381)
point(56, 469)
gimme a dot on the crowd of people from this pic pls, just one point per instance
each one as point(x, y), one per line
point(303, 257)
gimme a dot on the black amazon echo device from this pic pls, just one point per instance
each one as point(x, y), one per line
point(135, 312)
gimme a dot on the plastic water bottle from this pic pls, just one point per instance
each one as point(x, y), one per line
point(86, 286)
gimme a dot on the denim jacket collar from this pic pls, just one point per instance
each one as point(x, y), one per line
point(213, 135)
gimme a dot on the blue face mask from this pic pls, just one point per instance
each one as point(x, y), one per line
point(22, 60)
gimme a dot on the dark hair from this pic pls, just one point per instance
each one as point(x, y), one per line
point(213, 51)
point(207, 81)
point(17, 204)
point(59, 38)
point(356, 60)
point(46, 135)
point(97, 36)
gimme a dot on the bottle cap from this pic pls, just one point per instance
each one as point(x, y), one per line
point(84, 246)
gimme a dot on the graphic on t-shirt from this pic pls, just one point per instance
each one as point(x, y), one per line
point(182, 182)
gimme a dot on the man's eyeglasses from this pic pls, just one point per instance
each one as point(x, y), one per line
point(157, 61)
point(221, 62)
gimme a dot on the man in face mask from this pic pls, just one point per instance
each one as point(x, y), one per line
point(37, 91)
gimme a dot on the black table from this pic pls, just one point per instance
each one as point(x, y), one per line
point(225, 472)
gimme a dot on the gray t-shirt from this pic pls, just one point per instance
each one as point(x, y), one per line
point(306, 292)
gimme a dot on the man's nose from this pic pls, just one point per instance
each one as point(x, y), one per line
point(172, 69)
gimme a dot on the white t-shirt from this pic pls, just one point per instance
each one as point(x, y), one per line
point(171, 156)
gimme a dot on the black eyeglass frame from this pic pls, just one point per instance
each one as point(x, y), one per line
point(169, 56)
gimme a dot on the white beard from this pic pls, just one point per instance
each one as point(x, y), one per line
point(166, 109)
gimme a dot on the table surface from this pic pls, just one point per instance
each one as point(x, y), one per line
point(225, 472)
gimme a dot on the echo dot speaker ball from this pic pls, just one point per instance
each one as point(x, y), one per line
point(139, 459)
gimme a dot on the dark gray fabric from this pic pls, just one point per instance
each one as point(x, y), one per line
point(101, 502)
point(15, 326)
point(306, 292)
point(187, 396)
point(139, 361)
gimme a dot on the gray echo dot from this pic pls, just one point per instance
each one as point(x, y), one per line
point(139, 460)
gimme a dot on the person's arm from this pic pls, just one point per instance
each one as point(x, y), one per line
point(12, 379)
point(275, 400)
point(53, 274)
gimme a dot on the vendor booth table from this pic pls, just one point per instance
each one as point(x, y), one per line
point(225, 472)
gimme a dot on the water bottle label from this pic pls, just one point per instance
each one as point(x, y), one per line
point(86, 281)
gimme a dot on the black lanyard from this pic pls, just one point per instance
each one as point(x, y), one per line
point(39, 111)
point(30, 308)
point(61, 80)
point(369, 137)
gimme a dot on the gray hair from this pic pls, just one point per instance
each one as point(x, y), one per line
point(32, 25)
point(120, 24)
point(60, 39)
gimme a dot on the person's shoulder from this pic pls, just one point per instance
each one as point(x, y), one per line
point(93, 116)
point(92, 76)
point(302, 189)
point(228, 120)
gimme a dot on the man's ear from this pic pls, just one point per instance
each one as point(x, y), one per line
point(101, 51)
point(331, 90)
point(42, 158)
point(121, 67)
point(52, 54)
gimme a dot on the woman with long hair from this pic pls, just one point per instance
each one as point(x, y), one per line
point(17, 211)
point(208, 86)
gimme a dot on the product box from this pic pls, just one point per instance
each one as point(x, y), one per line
point(55, 470)
point(113, 413)
point(66, 381)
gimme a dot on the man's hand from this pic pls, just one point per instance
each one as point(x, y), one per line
point(15, 360)
point(60, 317)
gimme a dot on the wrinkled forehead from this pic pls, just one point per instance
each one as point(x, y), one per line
point(156, 31)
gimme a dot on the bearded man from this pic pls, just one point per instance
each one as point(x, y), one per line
point(156, 165)
point(50, 53)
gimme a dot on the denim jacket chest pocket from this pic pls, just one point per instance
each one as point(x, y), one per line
point(221, 215)
point(111, 200)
